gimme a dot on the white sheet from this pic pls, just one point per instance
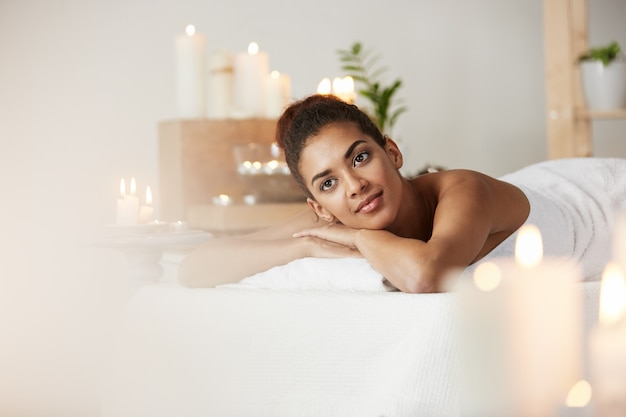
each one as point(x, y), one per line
point(285, 353)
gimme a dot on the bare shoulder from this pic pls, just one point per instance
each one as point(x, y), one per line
point(505, 203)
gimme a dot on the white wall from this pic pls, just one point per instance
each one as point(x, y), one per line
point(84, 83)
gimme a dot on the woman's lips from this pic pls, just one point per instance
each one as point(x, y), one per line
point(370, 204)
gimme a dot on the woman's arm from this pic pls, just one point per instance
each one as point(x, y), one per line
point(473, 214)
point(230, 259)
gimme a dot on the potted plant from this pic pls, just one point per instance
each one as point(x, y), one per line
point(362, 66)
point(603, 77)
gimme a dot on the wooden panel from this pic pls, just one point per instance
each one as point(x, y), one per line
point(565, 34)
point(241, 218)
point(196, 162)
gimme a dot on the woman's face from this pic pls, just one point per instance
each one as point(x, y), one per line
point(352, 178)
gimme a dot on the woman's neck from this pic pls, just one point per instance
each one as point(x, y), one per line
point(415, 218)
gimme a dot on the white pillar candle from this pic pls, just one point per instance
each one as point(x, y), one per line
point(190, 74)
point(251, 70)
point(607, 346)
point(122, 211)
point(146, 211)
point(521, 333)
point(133, 202)
point(277, 94)
point(126, 205)
point(220, 86)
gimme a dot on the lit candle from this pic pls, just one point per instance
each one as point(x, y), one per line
point(324, 86)
point(222, 200)
point(220, 89)
point(190, 73)
point(146, 211)
point(278, 92)
point(607, 346)
point(122, 211)
point(521, 326)
point(344, 89)
point(133, 202)
point(251, 70)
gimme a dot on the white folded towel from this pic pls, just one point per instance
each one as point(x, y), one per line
point(573, 202)
point(347, 274)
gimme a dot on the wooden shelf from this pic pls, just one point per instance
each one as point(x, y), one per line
point(609, 114)
point(568, 120)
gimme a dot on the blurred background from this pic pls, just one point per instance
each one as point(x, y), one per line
point(84, 84)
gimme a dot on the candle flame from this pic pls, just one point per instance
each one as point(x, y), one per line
point(337, 86)
point(275, 75)
point(133, 186)
point(348, 84)
point(253, 48)
point(225, 198)
point(579, 395)
point(324, 87)
point(612, 295)
point(528, 246)
point(190, 30)
point(274, 150)
point(148, 196)
point(487, 276)
point(122, 188)
point(257, 164)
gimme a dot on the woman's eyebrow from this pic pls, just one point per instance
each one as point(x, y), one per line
point(351, 148)
point(346, 156)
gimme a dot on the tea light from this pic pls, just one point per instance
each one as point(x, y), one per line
point(607, 345)
point(222, 200)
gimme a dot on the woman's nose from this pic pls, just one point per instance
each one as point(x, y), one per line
point(354, 184)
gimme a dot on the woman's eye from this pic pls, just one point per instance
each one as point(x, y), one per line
point(360, 157)
point(327, 184)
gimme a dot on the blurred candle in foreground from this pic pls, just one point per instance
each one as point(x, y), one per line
point(607, 346)
point(521, 336)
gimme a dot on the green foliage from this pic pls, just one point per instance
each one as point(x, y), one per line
point(363, 67)
point(605, 54)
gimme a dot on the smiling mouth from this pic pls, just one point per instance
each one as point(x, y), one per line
point(369, 204)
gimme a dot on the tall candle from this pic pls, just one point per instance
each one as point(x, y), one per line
point(277, 94)
point(190, 73)
point(607, 346)
point(220, 87)
point(521, 332)
point(251, 70)
point(146, 211)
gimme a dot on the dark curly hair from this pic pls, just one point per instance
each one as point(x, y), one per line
point(307, 117)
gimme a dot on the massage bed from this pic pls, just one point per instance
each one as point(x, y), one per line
point(320, 337)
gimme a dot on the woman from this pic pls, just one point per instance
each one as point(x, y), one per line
point(412, 231)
